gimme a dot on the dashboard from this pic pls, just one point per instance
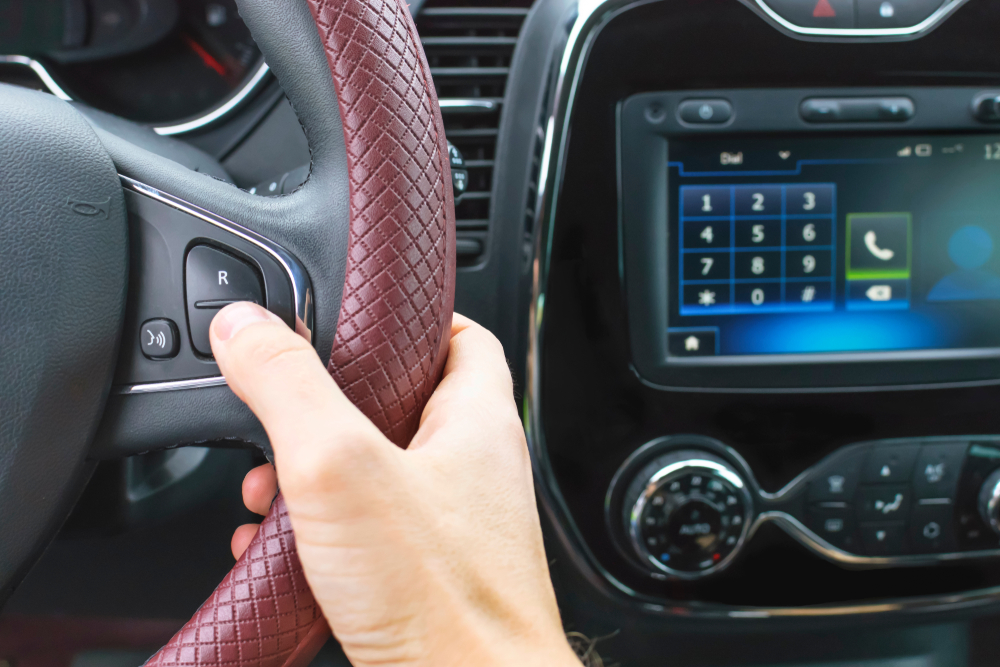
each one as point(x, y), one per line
point(743, 258)
point(765, 352)
point(174, 64)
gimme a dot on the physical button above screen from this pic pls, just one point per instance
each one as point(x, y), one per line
point(703, 112)
point(857, 109)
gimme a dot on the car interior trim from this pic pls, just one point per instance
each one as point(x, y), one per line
point(40, 71)
point(220, 111)
point(818, 545)
point(911, 31)
point(178, 385)
point(297, 276)
point(592, 17)
point(703, 464)
point(458, 105)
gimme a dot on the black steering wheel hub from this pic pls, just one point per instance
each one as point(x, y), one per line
point(63, 276)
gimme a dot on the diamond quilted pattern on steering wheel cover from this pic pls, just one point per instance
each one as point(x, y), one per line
point(395, 317)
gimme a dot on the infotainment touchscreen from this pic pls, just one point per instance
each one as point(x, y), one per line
point(832, 245)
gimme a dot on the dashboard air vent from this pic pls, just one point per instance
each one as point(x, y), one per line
point(469, 45)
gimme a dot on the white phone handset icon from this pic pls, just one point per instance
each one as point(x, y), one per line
point(870, 242)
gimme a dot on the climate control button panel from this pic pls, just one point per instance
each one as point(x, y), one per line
point(901, 498)
point(682, 507)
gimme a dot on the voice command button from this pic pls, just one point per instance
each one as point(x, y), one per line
point(158, 339)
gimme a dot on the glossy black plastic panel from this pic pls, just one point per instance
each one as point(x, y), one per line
point(595, 410)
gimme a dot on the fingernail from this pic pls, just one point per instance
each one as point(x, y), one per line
point(235, 317)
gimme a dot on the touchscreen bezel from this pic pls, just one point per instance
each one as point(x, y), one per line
point(646, 124)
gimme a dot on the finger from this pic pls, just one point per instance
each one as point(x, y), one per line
point(260, 486)
point(314, 429)
point(476, 384)
point(242, 538)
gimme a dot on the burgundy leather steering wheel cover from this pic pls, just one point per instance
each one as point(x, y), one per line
point(395, 317)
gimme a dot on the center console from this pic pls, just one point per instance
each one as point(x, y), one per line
point(765, 370)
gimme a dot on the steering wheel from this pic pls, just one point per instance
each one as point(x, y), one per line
point(97, 233)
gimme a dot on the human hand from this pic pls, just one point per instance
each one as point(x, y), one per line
point(427, 556)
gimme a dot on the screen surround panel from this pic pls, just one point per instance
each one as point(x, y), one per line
point(652, 140)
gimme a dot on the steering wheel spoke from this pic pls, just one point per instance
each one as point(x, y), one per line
point(186, 264)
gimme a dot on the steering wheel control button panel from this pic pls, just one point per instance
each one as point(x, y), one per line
point(701, 112)
point(214, 280)
point(857, 109)
point(187, 264)
point(159, 339)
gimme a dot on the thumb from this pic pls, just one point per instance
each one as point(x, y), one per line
point(315, 431)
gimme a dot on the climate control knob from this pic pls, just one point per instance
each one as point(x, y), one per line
point(989, 501)
point(688, 514)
